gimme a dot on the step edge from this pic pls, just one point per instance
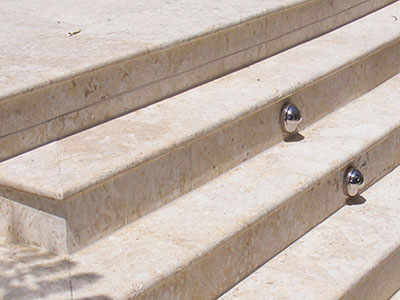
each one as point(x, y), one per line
point(63, 193)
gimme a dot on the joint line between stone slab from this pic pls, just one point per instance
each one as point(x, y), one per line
point(69, 280)
point(59, 171)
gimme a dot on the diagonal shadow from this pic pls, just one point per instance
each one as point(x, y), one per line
point(28, 273)
point(357, 200)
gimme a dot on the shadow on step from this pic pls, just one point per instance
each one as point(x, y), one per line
point(293, 138)
point(27, 273)
point(356, 200)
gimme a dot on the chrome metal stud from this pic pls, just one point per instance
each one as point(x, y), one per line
point(290, 118)
point(354, 182)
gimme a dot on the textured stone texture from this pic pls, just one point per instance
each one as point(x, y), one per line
point(29, 225)
point(106, 177)
point(199, 245)
point(354, 254)
point(153, 131)
point(204, 242)
point(52, 85)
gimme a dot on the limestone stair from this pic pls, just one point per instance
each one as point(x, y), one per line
point(204, 242)
point(354, 254)
point(187, 197)
point(126, 55)
point(83, 187)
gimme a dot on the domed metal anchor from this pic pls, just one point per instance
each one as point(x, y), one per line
point(354, 182)
point(290, 118)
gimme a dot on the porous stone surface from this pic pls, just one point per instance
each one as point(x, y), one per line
point(161, 127)
point(71, 165)
point(354, 254)
point(357, 248)
point(123, 55)
point(87, 179)
point(204, 242)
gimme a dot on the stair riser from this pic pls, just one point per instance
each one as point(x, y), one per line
point(140, 191)
point(229, 146)
point(233, 260)
point(354, 254)
point(105, 207)
point(380, 283)
point(24, 224)
point(39, 116)
point(346, 84)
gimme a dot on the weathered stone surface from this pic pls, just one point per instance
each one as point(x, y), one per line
point(129, 54)
point(354, 254)
point(108, 176)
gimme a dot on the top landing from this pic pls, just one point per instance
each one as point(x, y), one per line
point(46, 41)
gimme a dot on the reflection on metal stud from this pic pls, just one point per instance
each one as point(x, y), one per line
point(354, 182)
point(290, 118)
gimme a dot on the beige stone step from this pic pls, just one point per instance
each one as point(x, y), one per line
point(204, 242)
point(85, 186)
point(127, 54)
point(354, 254)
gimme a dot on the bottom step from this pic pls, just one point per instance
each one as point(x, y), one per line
point(354, 254)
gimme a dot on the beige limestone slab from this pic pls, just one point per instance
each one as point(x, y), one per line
point(354, 254)
point(105, 206)
point(29, 273)
point(199, 245)
point(63, 84)
point(215, 227)
point(254, 209)
point(99, 211)
point(120, 144)
point(27, 225)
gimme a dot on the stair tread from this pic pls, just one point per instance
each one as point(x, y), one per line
point(109, 32)
point(73, 164)
point(181, 233)
point(333, 258)
point(126, 55)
